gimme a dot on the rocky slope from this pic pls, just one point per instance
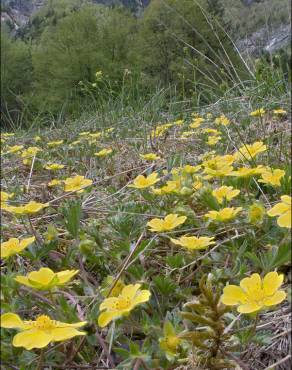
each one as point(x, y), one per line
point(17, 13)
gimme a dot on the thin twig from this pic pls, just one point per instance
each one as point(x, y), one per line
point(126, 262)
point(278, 363)
point(104, 347)
point(30, 173)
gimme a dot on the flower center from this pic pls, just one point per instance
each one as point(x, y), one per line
point(123, 303)
point(43, 322)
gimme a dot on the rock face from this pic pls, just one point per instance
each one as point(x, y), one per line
point(265, 41)
point(17, 12)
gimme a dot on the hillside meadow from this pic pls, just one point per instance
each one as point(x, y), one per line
point(145, 193)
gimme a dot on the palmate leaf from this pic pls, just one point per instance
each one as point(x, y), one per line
point(272, 259)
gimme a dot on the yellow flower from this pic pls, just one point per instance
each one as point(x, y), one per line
point(84, 133)
point(213, 140)
point(54, 166)
point(4, 198)
point(170, 187)
point(258, 113)
point(41, 332)
point(250, 151)
point(222, 120)
point(150, 157)
point(246, 172)
point(95, 135)
point(256, 213)
point(224, 215)
point(7, 134)
point(272, 176)
point(76, 183)
point(225, 192)
point(218, 166)
point(170, 222)
point(186, 134)
point(160, 129)
point(191, 169)
point(116, 307)
point(29, 153)
point(53, 144)
point(103, 152)
point(212, 131)
point(37, 138)
point(196, 122)
point(142, 182)
point(255, 293)
point(29, 208)
point(45, 278)
point(76, 142)
point(15, 246)
point(279, 111)
point(193, 243)
point(282, 209)
point(179, 122)
point(170, 341)
point(14, 149)
point(54, 182)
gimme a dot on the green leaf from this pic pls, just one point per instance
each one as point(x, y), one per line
point(283, 255)
point(72, 215)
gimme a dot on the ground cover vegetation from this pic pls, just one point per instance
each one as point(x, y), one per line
point(157, 245)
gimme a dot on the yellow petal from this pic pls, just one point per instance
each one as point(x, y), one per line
point(60, 334)
point(271, 283)
point(33, 338)
point(11, 320)
point(232, 295)
point(285, 220)
point(44, 276)
point(277, 298)
point(27, 241)
point(142, 296)
point(130, 291)
point(108, 303)
point(64, 276)
point(23, 280)
point(176, 241)
point(248, 308)
point(5, 252)
point(286, 199)
point(156, 224)
point(105, 317)
point(251, 285)
point(180, 220)
point(73, 325)
point(278, 209)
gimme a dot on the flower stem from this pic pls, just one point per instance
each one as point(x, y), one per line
point(253, 330)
